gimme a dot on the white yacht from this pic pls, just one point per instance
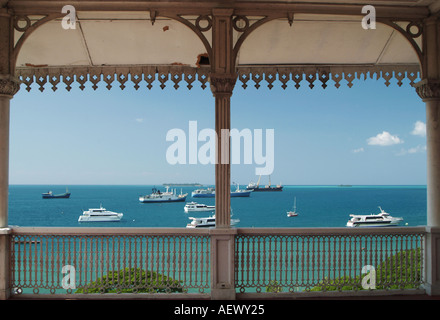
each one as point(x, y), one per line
point(383, 219)
point(206, 222)
point(194, 206)
point(99, 215)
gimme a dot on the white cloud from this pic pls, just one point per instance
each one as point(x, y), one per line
point(417, 149)
point(384, 139)
point(140, 120)
point(419, 129)
point(358, 150)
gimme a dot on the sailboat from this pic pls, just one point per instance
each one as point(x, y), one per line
point(293, 213)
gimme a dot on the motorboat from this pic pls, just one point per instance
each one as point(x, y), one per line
point(194, 206)
point(50, 195)
point(99, 215)
point(167, 196)
point(293, 213)
point(206, 222)
point(382, 219)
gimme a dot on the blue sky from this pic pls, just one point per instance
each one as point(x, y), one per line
point(359, 135)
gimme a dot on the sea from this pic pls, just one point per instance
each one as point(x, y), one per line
point(317, 206)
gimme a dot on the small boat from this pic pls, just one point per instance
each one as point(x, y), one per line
point(99, 215)
point(167, 196)
point(293, 213)
point(206, 222)
point(203, 193)
point(50, 195)
point(194, 206)
point(240, 192)
point(256, 186)
point(383, 219)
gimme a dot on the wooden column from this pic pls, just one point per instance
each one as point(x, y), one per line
point(222, 80)
point(9, 85)
point(429, 90)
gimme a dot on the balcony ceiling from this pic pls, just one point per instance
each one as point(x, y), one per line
point(121, 33)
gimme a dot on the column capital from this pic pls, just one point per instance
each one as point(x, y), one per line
point(428, 89)
point(9, 85)
point(222, 83)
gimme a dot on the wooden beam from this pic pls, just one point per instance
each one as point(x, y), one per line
point(396, 12)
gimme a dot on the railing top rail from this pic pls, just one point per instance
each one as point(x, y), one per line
point(239, 231)
point(332, 231)
point(106, 231)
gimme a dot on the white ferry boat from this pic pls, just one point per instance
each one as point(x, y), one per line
point(194, 206)
point(99, 215)
point(383, 219)
point(167, 196)
point(206, 222)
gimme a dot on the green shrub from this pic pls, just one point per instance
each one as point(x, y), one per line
point(403, 267)
point(132, 280)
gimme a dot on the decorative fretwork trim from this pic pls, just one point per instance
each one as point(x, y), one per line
point(147, 76)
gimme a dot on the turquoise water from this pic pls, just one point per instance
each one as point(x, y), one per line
point(318, 206)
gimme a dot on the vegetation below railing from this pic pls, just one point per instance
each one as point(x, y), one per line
point(393, 273)
point(133, 281)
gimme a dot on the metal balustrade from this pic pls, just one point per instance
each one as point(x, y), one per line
point(86, 261)
point(326, 259)
point(176, 262)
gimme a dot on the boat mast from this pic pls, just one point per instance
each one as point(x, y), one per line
point(258, 183)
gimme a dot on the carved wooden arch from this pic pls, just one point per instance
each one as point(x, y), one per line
point(406, 33)
point(248, 29)
point(29, 28)
point(196, 28)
